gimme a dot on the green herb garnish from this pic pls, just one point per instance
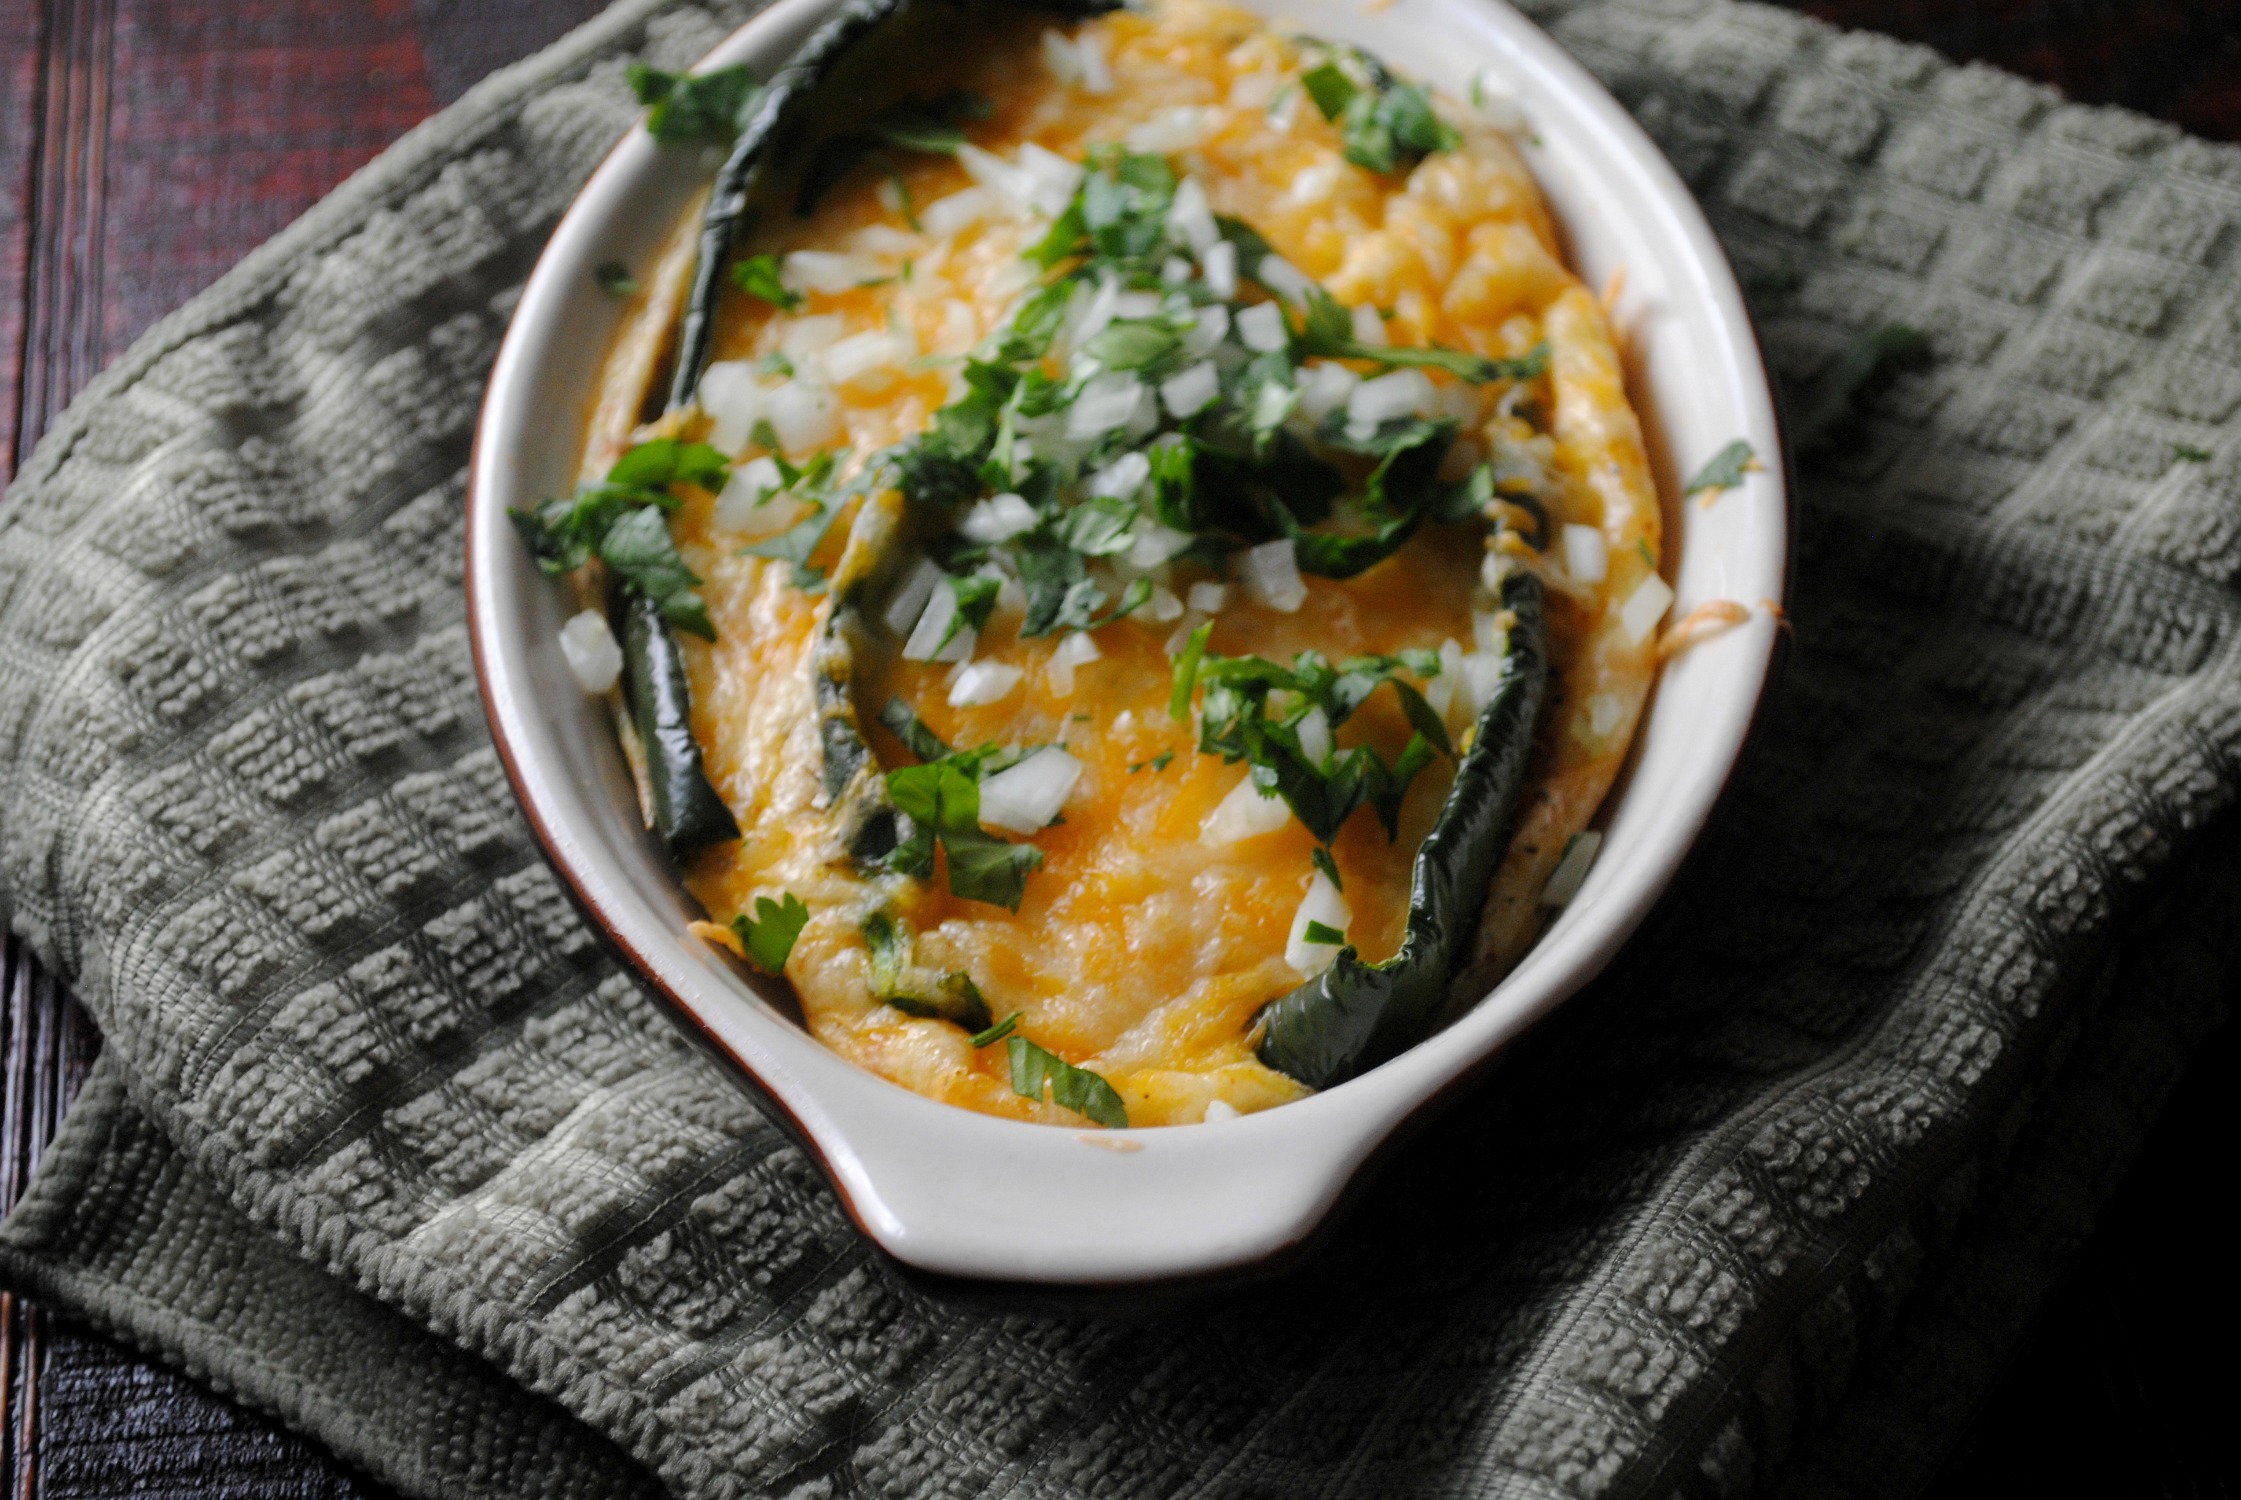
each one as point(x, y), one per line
point(757, 276)
point(1726, 469)
point(688, 107)
point(769, 935)
point(614, 279)
point(1077, 1089)
point(1328, 936)
point(622, 521)
point(998, 1032)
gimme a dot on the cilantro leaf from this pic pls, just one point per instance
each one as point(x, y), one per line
point(983, 867)
point(943, 799)
point(1327, 330)
point(654, 465)
point(614, 279)
point(1319, 932)
point(999, 1031)
point(690, 107)
point(1724, 470)
point(955, 998)
point(1320, 857)
point(1330, 88)
point(769, 935)
point(638, 547)
point(757, 276)
point(1077, 1089)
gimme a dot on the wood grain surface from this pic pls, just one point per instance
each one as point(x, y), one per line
point(146, 145)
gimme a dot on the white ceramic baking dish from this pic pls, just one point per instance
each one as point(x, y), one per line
point(949, 1191)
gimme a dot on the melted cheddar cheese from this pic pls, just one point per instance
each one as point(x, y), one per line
point(1141, 951)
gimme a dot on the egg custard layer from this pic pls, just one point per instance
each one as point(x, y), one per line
point(1172, 231)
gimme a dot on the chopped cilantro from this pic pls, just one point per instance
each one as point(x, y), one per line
point(769, 935)
point(1319, 932)
point(622, 521)
point(757, 276)
point(1159, 762)
point(955, 998)
point(688, 107)
point(1077, 1089)
point(997, 1032)
point(942, 800)
point(1725, 470)
point(1329, 866)
point(614, 279)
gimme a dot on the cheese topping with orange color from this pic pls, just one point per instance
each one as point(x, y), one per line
point(1169, 905)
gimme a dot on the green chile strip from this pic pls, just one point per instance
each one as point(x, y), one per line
point(735, 182)
point(688, 814)
point(1355, 1014)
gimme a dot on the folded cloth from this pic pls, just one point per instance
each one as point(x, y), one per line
point(382, 1142)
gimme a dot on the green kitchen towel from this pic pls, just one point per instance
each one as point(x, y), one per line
point(381, 1140)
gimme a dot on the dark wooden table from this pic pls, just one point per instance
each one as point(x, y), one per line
point(145, 145)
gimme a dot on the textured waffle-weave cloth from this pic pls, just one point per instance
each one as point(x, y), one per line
point(382, 1141)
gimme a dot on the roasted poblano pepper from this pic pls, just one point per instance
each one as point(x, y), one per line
point(688, 814)
point(1355, 1015)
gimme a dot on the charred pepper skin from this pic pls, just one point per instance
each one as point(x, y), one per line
point(1355, 1015)
point(688, 815)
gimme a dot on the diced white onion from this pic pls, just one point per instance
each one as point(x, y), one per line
point(733, 397)
point(1604, 712)
point(1059, 57)
point(1219, 264)
point(1074, 651)
point(1212, 322)
point(1090, 314)
point(804, 415)
point(1174, 270)
point(1327, 388)
point(1209, 598)
point(1162, 606)
point(747, 505)
point(1315, 184)
point(1369, 328)
point(1489, 634)
point(1050, 178)
point(1097, 71)
point(1261, 328)
point(960, 648)
point(910, 599)
point(1570, 874)
point(1191, 218)
point(1121, 478)
point(1325, 905)
point(946, 217)
point(1179, 127)
point(1026, 797)
point(871, 360)
point(1315, 736)
point(999, 518)
point(1190, 391)
point(1283, 278)
point(1497, 107)
point(1009, 183)
point(1155, 544)
point(1271, 575)
point(1439, 693)
point(1648, 604)
point(884, 239)
point(1246, 813)
point(1109, 401)
point(827, 270)
point(1137, 305)
point(1481, 675)
point(806, 336)
point(594, 659)
point(933, 623)
point(1587, 558)
point(984, 682)
point(1375, 402)
point(1218, 1109)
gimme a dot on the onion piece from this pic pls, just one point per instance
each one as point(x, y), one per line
point(733, 398)
point(749, 505)
point(1328, 387)
point(804, 415)
point(1246, 813)
point(1190, 391)
point(1644, 608)
point(1219, 265)
point(1261, 329)
point(1270, 573)
point(946, 217)
point(933, 622)
point(983, 682)
point(1325, 905)
point(1218, 1109)
point(1190, 218)
point(1155, 544)
point(1373, 403)
point(1211, 325)
point(595, 660)
point(1075, 651)
point(1587, 557)
point(1108, 401)
point(1283, 278)
point(1480, 676)
point(1179, 127)
point(1570, 874)
point(1097, 70)
point(1369, 328)
point(1162, 606)
point(1121, 478)
point(911, 597)
point(827, 270)
point(1050, 179)
point(1024, 798)
point(813, 335)
point(999, 518)
point(1314, 730)
point(1209, 598)
point(870, 360)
